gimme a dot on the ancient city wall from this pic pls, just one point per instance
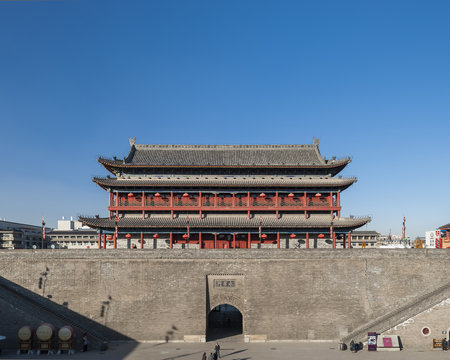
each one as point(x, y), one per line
point(283, 294)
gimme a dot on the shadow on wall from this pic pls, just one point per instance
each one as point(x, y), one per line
point(20, 306)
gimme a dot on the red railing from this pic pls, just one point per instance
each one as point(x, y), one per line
point(210, 201)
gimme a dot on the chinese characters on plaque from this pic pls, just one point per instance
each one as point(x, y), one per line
point(224, 283)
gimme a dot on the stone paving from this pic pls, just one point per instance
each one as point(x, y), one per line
point(236, 349)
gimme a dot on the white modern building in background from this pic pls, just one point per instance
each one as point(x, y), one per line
point(65, 224)
point(70, 234)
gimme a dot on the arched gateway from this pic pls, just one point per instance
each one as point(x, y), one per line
point(224, 321)
point(225, 313)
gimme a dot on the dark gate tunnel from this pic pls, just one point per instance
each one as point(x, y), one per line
point(224, 321)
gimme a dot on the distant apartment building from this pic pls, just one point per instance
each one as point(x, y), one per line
point(21, 236)
point(70, 234)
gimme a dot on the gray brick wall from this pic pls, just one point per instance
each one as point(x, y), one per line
point(288, 294)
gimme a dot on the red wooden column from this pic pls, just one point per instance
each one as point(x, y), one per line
point(338, 203)
point(334, 239)
point(104, 241)
point(307, 240)
point(234, 241)
point(276, 203)
point(215, 199)
point(248, 203)
point(171, 205)
point(115, 241)
point(249, 241)
point(278, 240)
point(200, 204)
point(233, 203)
point(305, 200)
point(215, 240)
point(349, 240)
point(111, 195)
point(143, 205)
point(331, 199)
point(117, 198)
point(142, 240)
point(100, 240)
point(199, 240)
point(171, 241)
point(344, 240)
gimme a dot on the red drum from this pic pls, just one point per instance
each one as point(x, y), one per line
point(65, 333)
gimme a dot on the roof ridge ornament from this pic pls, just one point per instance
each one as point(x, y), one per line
point(316, 141)
point(132, 141)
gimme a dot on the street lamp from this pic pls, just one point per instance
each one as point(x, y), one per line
point(43, 233)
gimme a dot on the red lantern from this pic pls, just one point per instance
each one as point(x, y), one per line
point(292, 236)
point(155, 236)
point(262, 195)
point(130, 195)
point(185, 195)
point(185, 236)
point(321, 236)
point(291, 195)
point(318, 195)
point(263, 236)
point(157, 195)
point(128, 236)
point(110, 237)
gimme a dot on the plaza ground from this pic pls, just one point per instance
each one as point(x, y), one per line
point(236, 349)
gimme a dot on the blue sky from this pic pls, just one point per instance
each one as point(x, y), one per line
point(371, 79)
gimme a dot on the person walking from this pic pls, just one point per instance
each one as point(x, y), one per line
point(204, 356)
point(85, 342)
point(211, 356)
point(217, 350)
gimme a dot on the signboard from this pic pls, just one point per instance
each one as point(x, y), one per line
point(434, 239)
point(388, 343)
point(372, 341)
point(430, 241)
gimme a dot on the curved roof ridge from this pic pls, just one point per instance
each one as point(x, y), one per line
point(222, 146)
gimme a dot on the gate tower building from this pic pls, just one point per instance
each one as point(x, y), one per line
point(224, 196)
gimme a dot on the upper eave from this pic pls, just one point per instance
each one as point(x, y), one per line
point(114, 166)
point(211, 181)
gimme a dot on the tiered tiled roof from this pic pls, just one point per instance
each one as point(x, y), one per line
point(235, 221)
point(260, 156)
point(226, 181)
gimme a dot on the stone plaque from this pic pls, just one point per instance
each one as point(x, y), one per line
point(225, 283)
